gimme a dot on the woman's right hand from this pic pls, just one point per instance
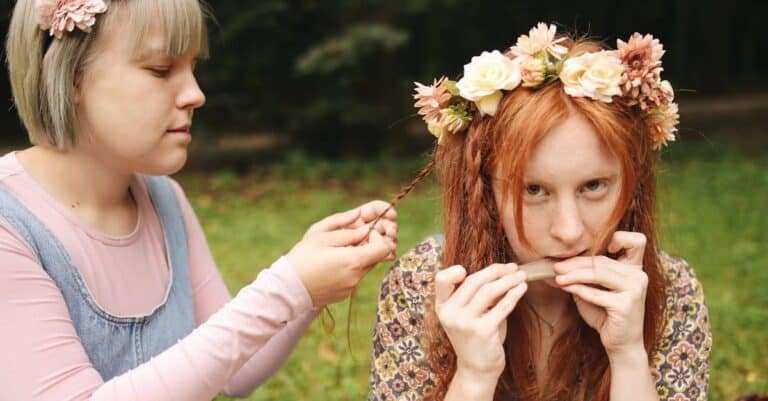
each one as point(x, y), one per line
point(473, 311)
point(337, 252)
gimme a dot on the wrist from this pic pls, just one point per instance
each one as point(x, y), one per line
point(632, 355)
point(301, 290)
point(475, 385)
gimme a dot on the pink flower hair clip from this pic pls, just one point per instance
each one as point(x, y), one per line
point(60, 16)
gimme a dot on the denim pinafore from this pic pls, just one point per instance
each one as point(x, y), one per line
point(116, 344)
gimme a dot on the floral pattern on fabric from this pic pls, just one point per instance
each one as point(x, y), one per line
point(399, 368)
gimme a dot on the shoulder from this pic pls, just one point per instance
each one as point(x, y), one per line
point(411, 277)
point(684, 287)
point(9, 165)
point(423, 257)
point(166, 188)
point(399, 367)
point(681, 360)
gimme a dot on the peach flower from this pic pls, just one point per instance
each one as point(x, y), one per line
point(59, 16)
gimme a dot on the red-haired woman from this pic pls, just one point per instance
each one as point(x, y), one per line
point(545, 153)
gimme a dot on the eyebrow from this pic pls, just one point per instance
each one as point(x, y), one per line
point(585, 178)
point(150, 52)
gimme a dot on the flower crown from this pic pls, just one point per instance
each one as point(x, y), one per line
point(630, 75)
point(60, 16)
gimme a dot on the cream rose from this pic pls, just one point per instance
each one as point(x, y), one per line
point(485, 76)
point(594, 75)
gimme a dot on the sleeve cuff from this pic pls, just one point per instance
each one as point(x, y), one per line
point(297, 292)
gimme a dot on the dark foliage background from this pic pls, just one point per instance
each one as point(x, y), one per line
point(335, 76)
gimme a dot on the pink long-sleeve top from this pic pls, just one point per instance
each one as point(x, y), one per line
point(237, 344)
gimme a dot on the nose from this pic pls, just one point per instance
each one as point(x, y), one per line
point(567, 225)
point(191, 96)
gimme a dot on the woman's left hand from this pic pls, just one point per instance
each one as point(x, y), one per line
point(610, 293)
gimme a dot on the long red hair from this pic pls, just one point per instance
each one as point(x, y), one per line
point(578, 364)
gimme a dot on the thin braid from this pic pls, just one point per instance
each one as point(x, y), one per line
point(408, 188)
point(481, 231)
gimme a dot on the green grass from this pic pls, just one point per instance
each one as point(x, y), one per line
point(713, 213)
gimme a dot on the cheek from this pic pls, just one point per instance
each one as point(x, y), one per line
point(596, 216)
point(535, 227)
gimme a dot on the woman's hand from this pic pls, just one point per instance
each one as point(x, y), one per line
point(337, 252)
point(386, 226)
point(610, 294)
point(473, 311)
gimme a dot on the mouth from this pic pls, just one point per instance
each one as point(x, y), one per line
point(563, 256)
point(184, 129)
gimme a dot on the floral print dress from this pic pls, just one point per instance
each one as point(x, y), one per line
point(399, 369)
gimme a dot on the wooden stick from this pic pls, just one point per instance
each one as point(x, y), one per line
point(538, 270)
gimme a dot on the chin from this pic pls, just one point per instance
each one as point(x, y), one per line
point(170, 164)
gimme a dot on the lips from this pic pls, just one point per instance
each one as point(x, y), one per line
point(181, 129)
point(564, 256)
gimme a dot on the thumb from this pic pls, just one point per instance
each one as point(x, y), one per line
point(336, 221)
point(373, 252)
point(343, 237)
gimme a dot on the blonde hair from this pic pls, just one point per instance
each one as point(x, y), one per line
point(43, 79)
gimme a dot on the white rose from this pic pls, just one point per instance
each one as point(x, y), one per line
point(593, 75)
point(485, 76)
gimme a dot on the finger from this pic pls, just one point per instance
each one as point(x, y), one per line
point(631, 243)
point(359, 222)
point(371, 210)
point(387, 228)
point(470, 286)
point(586, 262)
point(335, 221)
point(446, 281)
point(599, 275)
point(376, 237)
point(489, 294)
point(592, 295)
point(341, 237)
point(370, 254)
point(507, 304)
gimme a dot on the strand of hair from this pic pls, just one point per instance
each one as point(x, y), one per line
point(408, 188)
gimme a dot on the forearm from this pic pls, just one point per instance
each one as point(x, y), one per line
point(631, 377)
point(201, 364)
point(468, 386)
point(269, 359)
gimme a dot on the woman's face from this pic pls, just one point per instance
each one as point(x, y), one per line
point(571, 187)
point(135, 112)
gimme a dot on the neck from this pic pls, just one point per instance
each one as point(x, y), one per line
point(550, 303)
point(78, 179)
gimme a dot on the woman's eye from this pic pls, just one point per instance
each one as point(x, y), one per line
point(594, 185)
point(534, 190)
point(161, 72)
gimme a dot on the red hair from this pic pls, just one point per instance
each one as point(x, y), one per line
point(475, 237)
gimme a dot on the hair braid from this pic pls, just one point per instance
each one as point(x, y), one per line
point(408, 188)
point(479, 235)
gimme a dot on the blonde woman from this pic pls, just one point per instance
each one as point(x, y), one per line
point(109, 290)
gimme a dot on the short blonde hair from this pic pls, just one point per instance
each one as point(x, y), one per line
point(43, 79)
